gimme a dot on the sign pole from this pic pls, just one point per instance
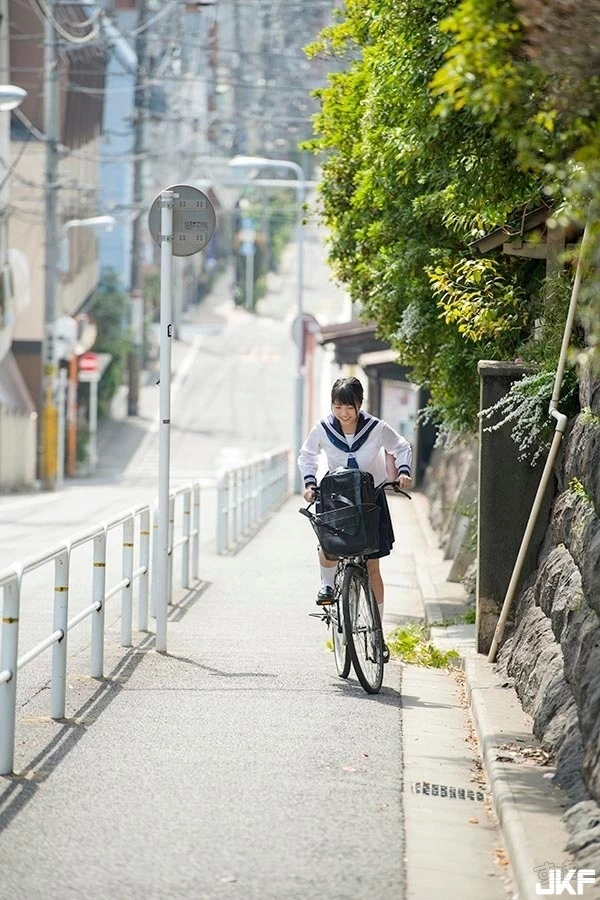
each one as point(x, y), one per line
point(164, 445)
point(181, 222)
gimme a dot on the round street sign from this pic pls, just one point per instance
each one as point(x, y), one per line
point(194, 219)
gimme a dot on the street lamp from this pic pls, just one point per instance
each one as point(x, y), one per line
point(102, 223)
point(261, 162)
point(11, 96)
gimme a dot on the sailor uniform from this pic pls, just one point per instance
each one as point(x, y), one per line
point(362, 450)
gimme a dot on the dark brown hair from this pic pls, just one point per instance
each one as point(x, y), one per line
point(348, 392)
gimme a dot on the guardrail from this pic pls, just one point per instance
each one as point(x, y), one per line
point(246, 493)
point(11, 582)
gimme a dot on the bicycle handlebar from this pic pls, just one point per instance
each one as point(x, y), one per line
point(393, 484)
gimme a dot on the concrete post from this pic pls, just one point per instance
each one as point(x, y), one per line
point(506, 493)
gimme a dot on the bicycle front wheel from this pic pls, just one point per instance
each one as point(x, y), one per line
point(363, 629)
point(340, 644)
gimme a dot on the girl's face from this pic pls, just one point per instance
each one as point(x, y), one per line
point(346, 415)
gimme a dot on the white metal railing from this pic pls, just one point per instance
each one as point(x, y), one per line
point(246, 493)
point(11, 582)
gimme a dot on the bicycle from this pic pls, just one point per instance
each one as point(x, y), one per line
point(356, 628)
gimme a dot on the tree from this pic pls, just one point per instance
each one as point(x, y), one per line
point(410, 179)
point(108, 308)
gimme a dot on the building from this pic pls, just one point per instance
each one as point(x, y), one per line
point(81, 82)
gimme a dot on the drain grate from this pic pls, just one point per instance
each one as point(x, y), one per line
point(445, 790)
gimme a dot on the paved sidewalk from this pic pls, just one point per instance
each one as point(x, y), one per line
point(529, 807)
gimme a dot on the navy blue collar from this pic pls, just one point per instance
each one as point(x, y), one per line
point(364, 426)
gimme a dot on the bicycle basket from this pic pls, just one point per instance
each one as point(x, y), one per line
point(350, 531)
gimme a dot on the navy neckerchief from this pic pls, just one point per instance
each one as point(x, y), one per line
point(364, 426)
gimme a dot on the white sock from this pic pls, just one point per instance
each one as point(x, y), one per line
point(327, 576)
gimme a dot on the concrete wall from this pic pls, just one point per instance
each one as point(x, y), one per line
point(18, 443)
point(507, 488)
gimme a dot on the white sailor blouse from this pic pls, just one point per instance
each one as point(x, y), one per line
point(362, 450)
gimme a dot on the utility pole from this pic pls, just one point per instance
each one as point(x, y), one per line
point(49, 418)
point(239, 143)
point(136, 286)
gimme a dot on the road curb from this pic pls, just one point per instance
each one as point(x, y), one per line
point(489, 731)
point(506, 806)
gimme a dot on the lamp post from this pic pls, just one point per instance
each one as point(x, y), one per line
point(259, 162)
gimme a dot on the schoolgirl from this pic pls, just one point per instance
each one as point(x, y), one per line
point(353, 438)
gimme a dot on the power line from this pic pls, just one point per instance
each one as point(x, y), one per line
point(58, 28)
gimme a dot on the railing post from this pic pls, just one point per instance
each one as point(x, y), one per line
point(196, 531)
point(127, 592)
point(8, 663)
point(233, 508)
point(253, 492)
point(222, 501)
point(154, 591)
point(185, 547)
point(269, 482)
point(144, 563)
point(249, 521)
point(239, 503)
point(171, 552)
point(98, 594)
point(59, 649)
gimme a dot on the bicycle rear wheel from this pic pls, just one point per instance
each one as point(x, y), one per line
point(340, 643)
point(363, 629)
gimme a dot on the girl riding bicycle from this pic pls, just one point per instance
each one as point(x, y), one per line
point(357, 440)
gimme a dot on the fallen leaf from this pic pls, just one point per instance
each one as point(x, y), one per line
point(473, 821)
point(501, 857)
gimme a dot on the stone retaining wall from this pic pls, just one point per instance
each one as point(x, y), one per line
point(553, 653)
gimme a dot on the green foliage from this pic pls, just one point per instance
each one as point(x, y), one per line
point(447, 117)
point(410, 644)
point(577, 487)
point(473, 295)
point(590, 418)
point(405, 189)
point(525, 409)
point(469, 617)
point(108, 308)
point(273, 215)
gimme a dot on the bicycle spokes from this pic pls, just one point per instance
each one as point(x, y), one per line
point(365, 638)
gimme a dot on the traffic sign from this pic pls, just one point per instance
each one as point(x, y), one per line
point(194, 219)
point(88, 362)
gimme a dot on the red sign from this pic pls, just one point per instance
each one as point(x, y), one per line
point(88, 362)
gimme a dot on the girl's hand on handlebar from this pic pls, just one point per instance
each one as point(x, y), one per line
point(404, 482)
point(309, 494)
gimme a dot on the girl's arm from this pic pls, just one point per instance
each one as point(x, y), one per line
point(399, 447)
point(308, 459)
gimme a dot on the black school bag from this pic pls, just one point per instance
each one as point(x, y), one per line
point(347, 520)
